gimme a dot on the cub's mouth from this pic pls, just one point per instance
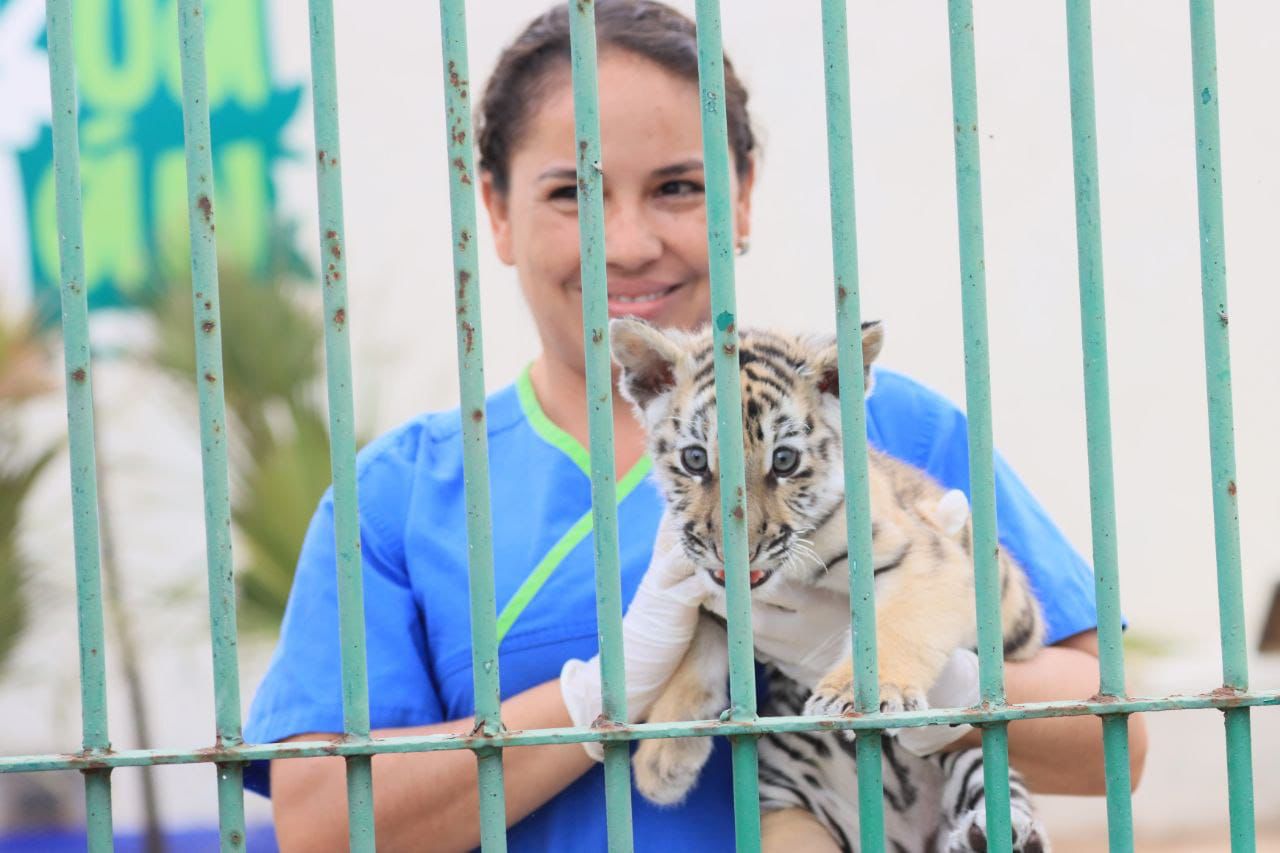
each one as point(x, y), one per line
point(757, 576)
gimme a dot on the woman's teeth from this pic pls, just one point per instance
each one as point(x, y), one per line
point(645, 297)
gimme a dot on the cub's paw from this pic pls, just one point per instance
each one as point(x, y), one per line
point(969, 833)
point(833, 697)
point(896, 697)
point(666, 768)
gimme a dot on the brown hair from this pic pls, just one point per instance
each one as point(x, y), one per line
point(645, 28)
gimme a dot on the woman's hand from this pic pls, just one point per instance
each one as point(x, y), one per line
point(656, 631)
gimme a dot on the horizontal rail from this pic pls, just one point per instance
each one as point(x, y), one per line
point(1222, 699)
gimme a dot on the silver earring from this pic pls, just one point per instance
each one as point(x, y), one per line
point(743, 245)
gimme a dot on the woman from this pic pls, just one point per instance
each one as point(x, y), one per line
point(410, 487)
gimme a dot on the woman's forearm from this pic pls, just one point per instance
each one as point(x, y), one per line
point(429, 795)
point(1062, 755)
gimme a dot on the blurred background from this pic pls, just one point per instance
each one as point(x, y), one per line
point(401, 321)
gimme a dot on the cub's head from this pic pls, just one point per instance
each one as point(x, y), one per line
point(791, 438)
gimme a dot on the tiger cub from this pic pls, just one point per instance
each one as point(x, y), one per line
point(797, 535)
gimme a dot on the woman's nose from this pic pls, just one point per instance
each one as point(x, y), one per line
point(630, 239)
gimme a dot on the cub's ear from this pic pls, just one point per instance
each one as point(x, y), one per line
point(827, 366)
point(648, 358)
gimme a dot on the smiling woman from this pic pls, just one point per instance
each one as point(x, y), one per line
point(413, 517)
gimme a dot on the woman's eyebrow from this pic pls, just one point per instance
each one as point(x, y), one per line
point(693, 165)
point(558, 173)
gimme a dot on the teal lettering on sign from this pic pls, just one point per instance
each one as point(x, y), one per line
point(132, 166)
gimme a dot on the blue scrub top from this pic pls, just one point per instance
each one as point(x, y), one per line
point(413, 537)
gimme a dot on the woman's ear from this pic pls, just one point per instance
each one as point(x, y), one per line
point(495, 202)
point(742, 206)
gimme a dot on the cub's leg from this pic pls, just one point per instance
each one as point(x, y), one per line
point(666, 768)
point(964, 808)
point(922, 615)
point(794, 829)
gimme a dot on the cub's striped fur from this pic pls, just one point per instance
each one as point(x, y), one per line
point(796, 530)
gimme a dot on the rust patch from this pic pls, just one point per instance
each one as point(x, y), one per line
point(477, 415)
point(461, 166)
point(730, 349)
point(320, 155)
point(1231, 488)
point(340, 317)
point(235, 837)
point(335, 250)
point(333, 161)
point(464, 278)
point(207, 326)
point(737, 513)
point(209, 377)
point(842, 294)
point(206, 210)
point(464, 238)
point(596, 336)
point(1222, 316)
point(208, 306)
point(79, 375)
point(1101, 699)
point(331, 235)
point(470, 332)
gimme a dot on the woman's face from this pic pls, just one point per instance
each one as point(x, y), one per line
point(654, 206)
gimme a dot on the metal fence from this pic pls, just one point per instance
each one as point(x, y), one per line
point(741, 725)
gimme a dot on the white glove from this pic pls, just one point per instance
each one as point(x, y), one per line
point(656, 631)
point(803, 631)
point(956, 687)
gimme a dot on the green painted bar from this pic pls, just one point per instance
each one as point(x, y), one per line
point(1093, 333)
point(79, 384)
point(1226, 520)
point(462, 209)
point(595, 327)
point(844, 247)
point(1221, 700)
point(977, 370)
point(213, 414)
point(718, 164)
point(342, 444)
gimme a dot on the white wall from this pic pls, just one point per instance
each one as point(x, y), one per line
point(401, 315)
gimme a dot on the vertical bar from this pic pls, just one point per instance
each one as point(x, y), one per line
point(84, 481)
point(462, 209)
point(1226, 520)
point(733, 501)
point(964, 102)
point(342, 445)
point(1097, 400)
point(213, 416)
point(844, 248)
point(595, 327)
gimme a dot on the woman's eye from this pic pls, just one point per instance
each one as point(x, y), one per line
point(694, 459)
point(785, 461)
point(568, 192)
point(681, 187)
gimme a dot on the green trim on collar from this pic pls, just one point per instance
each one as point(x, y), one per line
point(572, 537)
point(546, 430)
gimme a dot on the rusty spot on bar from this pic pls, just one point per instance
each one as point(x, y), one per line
point(470, 332)
point(209, 377)
point(235, 838)
point(79, 375)
point(842, 294)
point(207, 326)
point(730, 349)
point(737, 512)
point(331, 234)
point(461, 166)
point(208, 306)
point(477, 415)
point(335, 250)
point(1231, 488)
point(340, 316)
point(206, 209)
point(320, 155)
point(464, 278)
point(1222, 315)
point(596, 336)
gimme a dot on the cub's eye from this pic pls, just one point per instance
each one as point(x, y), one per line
point(694, 459)
point(785, 461)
